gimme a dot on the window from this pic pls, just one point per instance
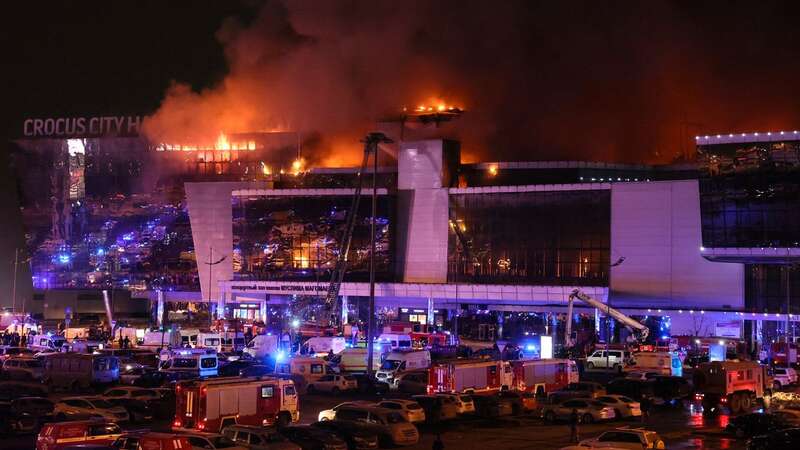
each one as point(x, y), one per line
point(326, 378)
point(267, 391)
point(101, 430)
point(316, 368)
point(351, 414)
point(289, 391)
point(618, 436)
point(208, 363)
point(199, 442)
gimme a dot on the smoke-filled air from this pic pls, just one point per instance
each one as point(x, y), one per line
point(538, 81)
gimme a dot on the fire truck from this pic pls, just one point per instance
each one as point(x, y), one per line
point(541, 376)
point(469, 376)
point(211, 405)
point(735, 384)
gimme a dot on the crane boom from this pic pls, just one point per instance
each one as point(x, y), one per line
point(641, 331)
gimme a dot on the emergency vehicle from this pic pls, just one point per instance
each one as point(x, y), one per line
point(211, 405)
point(59, 435)
point(542, 376)
point(735, 384)
point(469, 376)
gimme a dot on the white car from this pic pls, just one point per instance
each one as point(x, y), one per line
point(89, 406)
point(464, 402)
point(23, 368)
point(130, 376)
point(783, 376)
point(132, 392)
point(410, 409)
point(212, 441)
point(611, 359)
point(623, 406)
point(333, 384)
point(330, 414)
point(626, 438)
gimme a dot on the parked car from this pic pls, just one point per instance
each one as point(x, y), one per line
point(27, 413)
point(256, 370)
point(412, 410)
point(15, 422)
point(789, 415)
point(370, 385)
point(155, 378)
point(415, 382)
point(330, 414)
point(788, 439)
point(234, 368)
point(635, 389)
point(258, 438)
point(10, 390)
point(32, 405)
point(589, 410)
point(23, 368)
point(212, 441)
point(333, 384)
point(313, 438)
point(754, 424)
point(671, 389)
point(640, 375)
point(782, 376)
point(139, 411)
point(611, 359)
point(464, 402)
point(59, 435)
point(358, 436)
point(492, 406)
point(522, 402)
point(7, 351)
point(437, 408)
point(150, 440)
point(583, 389)
point(626, 438)
point(394, 428)
point(624, 407)
point(132, 392)
point(91, 406)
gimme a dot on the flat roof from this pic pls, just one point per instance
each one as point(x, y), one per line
point(746, 138)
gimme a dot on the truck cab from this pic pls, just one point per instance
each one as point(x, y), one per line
point(737, 385)
point(304, 370)
point(398, 362)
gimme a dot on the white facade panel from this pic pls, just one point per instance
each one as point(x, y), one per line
point(656, 227)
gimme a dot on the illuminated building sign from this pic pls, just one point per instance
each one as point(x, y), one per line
point(67, 127)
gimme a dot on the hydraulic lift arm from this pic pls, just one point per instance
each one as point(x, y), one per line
point(638, 329)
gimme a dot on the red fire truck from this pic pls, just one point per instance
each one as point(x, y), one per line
point(469, 376)
point(213, 404)
point(542, 375)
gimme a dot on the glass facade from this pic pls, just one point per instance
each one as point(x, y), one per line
point(546, 238)
point(110, 212)
point(765, 288)
point(750, 193)
point(298, 238)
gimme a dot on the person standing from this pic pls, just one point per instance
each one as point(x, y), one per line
point(573, 426)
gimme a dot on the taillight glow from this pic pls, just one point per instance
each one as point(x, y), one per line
point(177, 423)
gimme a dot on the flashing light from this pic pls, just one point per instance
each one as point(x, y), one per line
point(128, 367)
point(295, 323)
point(269, 333)
point(721, 342)
point(697, 341)
point(664, 337)
point(64, 258)
point(177, 423)
point(280, 356)
point(100, 252)
point(530, 347)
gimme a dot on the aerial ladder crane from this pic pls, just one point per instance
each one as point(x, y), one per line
point(639, 330)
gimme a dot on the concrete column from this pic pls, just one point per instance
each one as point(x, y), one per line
point(554, 329)
point(221, 307)
point(160, 307)
point(431, 316)
point(500, 320)
point(345, 307)
point(262, 310)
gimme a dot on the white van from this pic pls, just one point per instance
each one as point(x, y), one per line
point(611, 359)
point(397, 362)
point(158, 339)
point(46, 343)
point(221, 342)
point(85, 346)
point(664, 363)
point(198, 362)
point(304, 369)
point(397, 341)
point(355, 359)
point(322, 345)
point(264, 345)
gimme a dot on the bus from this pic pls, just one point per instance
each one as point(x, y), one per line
point(79, 370)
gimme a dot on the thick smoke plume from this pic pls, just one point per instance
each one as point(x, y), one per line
point(553, 80)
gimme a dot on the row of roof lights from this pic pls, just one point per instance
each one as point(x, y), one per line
point(768, 133)
point(612, 179)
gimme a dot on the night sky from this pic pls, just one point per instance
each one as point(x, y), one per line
point(611, 81)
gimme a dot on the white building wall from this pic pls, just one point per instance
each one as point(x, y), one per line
point(656, 227)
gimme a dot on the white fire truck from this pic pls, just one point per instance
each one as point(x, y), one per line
point(735, 384)
point(211, 405)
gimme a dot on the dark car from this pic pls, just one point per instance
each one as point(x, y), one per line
point(139, 411)
point(313, 438)
point(754, 424)
point(157, 379)
point(256, 370)
point(233, 368)
point(10, 390)
point(777, 440)
point(583, 389)
point(518, 401)
point(367, 385)
point(635, 389)
point(36, 406)
point(671, 389)
point(357, 435)
point(492, 406)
